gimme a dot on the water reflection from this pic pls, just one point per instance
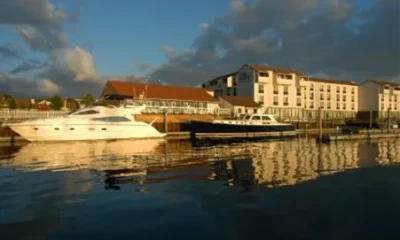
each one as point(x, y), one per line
point(271, 163)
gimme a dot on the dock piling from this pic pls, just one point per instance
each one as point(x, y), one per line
point(165, 121)
point(320, 124)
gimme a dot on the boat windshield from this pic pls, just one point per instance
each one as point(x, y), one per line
point(247, 117)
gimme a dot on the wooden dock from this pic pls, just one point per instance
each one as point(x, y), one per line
point(361, 136)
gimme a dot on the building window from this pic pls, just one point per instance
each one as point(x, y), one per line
point(286, 90)
point(260, 88)
point(337, 105)
point(312, 87)
point(299, 101)
point(338, 89)
point(328, 97)
point(344, 98)
point(234, 92)
point(395, 98)
point(390, 105)
point(276, 100)
point(395, 107)
point(311, 104)
point(328, 88)
point(390, 98)
point(352, 106)
point(312, 96)
point(322, 104)
point(321, 88)
point(261, 99)
point(352, 90)
point(344, 89)
point(285, 101)
point(382, 106)
point(352, 98)
point(276, 89)
point(298, 91)
point(382, 98)
point(263, 74)
point(344, 106)
point(321, 96)
point(328, 106)
point(338, 98)
point(386, 87)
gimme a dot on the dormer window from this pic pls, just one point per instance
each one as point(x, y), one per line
point(386, 87)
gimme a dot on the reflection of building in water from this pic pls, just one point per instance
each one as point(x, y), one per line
point(389, 151)
point(291, 162)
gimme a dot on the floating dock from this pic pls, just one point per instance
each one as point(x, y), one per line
point(359, 136)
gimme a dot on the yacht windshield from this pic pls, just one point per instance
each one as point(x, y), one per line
point(84, 112)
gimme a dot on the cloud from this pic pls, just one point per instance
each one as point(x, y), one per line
point(28, 65)
point(8, 50)
point(46, 86)
point(238, 5)
point(80, 63)
point(68, 70)
point(336, 38)
point(142, 65)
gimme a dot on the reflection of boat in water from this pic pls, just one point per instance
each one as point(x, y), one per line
point(92, 123)
point(98, 155)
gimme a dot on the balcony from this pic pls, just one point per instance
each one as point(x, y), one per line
point(285, 79)
point(302, 82)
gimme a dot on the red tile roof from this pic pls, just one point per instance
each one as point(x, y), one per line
point(345, 82)
point(273, 69)
point(241, 101)
point(156, 91)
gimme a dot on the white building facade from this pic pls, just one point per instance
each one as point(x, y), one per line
point(291, 94)
point(380, 96)
point(223, 85)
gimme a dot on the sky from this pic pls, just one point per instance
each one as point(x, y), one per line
point(72, 47)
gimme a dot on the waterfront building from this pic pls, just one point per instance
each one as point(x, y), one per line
point(291, 94)
point(380, 96)
point(240, 105)
point(222, 85)
point(159, 98)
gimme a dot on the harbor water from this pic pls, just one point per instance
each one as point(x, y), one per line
point(177, 189)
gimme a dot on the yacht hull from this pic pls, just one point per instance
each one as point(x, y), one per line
point(212, 129)
point(84, 132)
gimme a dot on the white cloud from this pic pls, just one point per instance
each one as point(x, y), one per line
point(46, 86)
point(79, 62)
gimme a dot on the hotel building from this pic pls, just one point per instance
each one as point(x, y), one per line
point(380, 96)
point(291, 94)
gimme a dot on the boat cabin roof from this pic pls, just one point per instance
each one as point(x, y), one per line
point(259, 116)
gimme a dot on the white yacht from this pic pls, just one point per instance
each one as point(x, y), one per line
point(91, 123)
point(254, 125)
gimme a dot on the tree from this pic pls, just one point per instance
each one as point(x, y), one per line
point(88, 99)
point(56, 102)
point(11, 103)
point(72, 104)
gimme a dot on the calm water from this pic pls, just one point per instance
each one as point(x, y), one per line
point(153, 189)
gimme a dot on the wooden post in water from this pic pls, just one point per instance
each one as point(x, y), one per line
point(320, 123)
point(165, 121)
point(388, 120)
point(370, 119)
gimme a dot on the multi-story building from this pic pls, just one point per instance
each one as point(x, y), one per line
point(379, 96)
point(223, 85)
point(290, 93)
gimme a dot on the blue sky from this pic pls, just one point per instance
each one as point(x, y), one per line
point(64, 47)
point(119, 34)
